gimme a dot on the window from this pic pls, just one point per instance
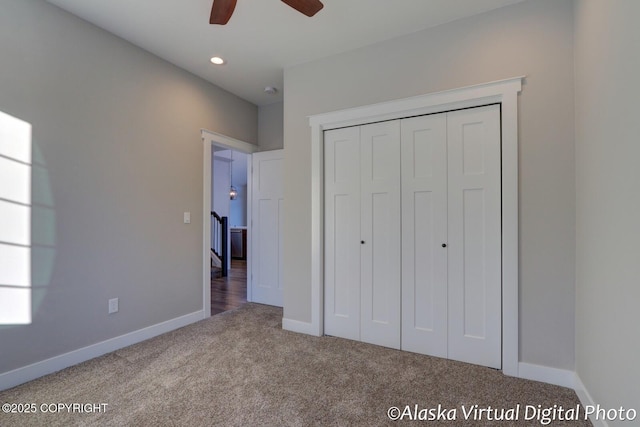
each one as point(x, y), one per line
point(15, 221)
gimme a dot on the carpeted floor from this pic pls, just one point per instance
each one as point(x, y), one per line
point(240, 368)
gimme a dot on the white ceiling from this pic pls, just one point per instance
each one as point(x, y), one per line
point(264, 36)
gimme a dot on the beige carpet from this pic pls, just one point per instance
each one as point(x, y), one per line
point(241, 369)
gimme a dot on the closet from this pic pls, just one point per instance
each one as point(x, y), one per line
point(413, 234)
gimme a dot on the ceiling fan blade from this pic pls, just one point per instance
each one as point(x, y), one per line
point(307, 7)
point(221, 11)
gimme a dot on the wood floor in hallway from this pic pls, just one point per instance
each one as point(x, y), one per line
point(229, 292)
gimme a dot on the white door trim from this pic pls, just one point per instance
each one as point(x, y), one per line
point(504, 92)
point(209, 138)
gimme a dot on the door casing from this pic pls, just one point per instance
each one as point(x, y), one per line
point(503, 92)
point(210, 138)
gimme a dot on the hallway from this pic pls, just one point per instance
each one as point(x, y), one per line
point(229, 292)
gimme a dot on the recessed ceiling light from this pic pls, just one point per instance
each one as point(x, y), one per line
point(217, 60)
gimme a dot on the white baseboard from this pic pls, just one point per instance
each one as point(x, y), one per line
point(48, 366)
point(586, 399)
point(299, 327)
point(545, 374)
point(562, 378)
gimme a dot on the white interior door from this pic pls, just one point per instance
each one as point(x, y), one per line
point(266, 227)
point(342, 233)
point(474, 242)
point(424, 230)
point(380, 234)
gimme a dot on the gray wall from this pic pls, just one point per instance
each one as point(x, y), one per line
point(117, 159)
point(220, 185)
point(533, 38)
point(270, 126)
point(608, 201)
point(238, 208)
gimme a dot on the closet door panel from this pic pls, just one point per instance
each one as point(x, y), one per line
point(342, 233)
point(424, 230)
point(380, 233)
point(474, 246)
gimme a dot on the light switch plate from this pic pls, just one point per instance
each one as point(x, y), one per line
point(113, 305)
point(187, 217)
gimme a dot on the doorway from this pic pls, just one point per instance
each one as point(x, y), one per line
point(260, 239)
point(229, 196)
point(217, 143)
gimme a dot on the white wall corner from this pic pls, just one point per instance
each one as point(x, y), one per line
point(545, 374)
point(586, 399)
point(563, 378)
point(300, 327)
point(36, 370)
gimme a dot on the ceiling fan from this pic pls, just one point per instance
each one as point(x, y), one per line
point(222, 10)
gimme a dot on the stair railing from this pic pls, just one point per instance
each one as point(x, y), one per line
point(219, 244)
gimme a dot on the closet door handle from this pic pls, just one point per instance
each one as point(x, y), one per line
point(362, 242)
point(444, 245)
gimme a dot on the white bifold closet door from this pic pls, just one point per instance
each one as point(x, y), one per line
point(424, 230)
point(413, 234)
point(362, 233)
point(451, 236)
point(380, 234)
point(342, 233)
point(475, 236)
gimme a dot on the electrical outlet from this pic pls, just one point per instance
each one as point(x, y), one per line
point(113, 305)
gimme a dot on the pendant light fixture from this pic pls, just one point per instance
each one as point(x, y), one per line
point(233, 193)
